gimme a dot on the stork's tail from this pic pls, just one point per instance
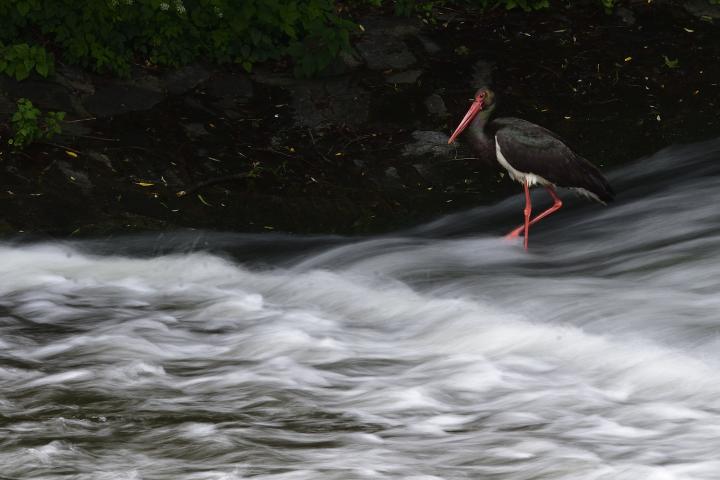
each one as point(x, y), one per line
point(594, 184)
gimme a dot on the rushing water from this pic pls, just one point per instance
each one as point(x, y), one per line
point(443, 352)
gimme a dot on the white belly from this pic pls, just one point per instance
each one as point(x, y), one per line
point(517, 175)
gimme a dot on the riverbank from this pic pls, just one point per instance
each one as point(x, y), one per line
point(363, 148)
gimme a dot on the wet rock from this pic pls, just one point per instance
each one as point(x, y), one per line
point(482, 73)
point(236, 86)
point(184, 79)
point(428, 143)
point(7, 107)
point(391, 172)
point(117, 97)
point(333, 102)
point(350, 59)
point(392, 26)
point(6, 228)
point(409, 76)
point(75, 129)
point(195, 130)
point(195, 103)
point(346, 62)
point(435, 105)
point(701, 8)
point(44, 95)
point(424, 170)
point(101, 158)
point(75, 176)
point(384, 52)
point(430, 46)
point(266, 77)
point(625, 15)
point(74, 79)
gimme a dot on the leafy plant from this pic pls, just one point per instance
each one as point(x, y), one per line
point(609, 4)
point(30, 125)
point(111, 35)
point(21, 59)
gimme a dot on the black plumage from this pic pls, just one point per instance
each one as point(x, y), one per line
point(531, 154)
point(530, 148)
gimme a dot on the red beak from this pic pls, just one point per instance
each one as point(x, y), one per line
point(474, 109)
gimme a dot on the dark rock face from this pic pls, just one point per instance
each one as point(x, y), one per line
point(435, 105)
point(184, 79)
point(482, 74)
point(385, 53)
point(409, 76)
point(226, 85)
point(45, 95)
point(701, 8)
point(383, 46)
point(116, 98)
point(332, 102)
point(429, 143)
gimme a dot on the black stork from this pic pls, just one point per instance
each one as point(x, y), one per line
point(532, 155)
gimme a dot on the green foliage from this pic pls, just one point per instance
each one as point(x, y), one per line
point(21, 59)
point(110, 35)
point(30, 125)
point(609, 4)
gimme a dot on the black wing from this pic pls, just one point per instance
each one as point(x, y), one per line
point(530, 148)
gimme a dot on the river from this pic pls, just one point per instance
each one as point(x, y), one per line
point(441, 352)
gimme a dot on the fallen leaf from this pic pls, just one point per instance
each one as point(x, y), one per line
point(71, 154)
point(200, 197)
point(671, 63)
point(144, 184)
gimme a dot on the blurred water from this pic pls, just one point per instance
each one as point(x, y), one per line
point(443, 352)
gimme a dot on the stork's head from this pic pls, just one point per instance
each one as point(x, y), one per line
point(484, 99)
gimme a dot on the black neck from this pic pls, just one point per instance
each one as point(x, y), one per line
point(477, 132)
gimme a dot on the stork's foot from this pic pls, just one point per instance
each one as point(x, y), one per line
point(515, 233)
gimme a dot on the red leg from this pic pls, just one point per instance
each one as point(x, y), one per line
point(527, 212)
point(556, 206)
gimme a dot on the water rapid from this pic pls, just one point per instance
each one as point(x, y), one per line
point(441, 352)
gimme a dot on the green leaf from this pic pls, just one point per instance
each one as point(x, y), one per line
point(42, 69)
point(671, 63)
point(23, 8)
point(21, 72)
